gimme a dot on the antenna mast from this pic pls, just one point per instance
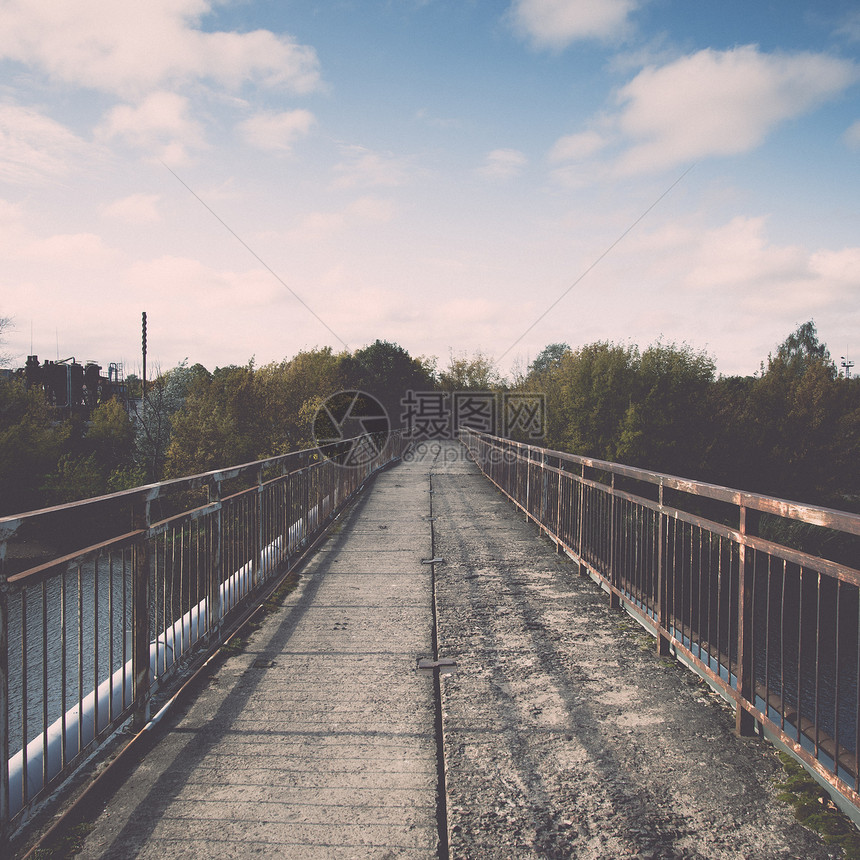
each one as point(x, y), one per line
point(143, 342)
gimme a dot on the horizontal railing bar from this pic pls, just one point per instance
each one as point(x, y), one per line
point(810, 514)
point(151, 492)
point(795, 556)
point(178, 582)
point(72, 558)
point(704, 602)
point(160, 526)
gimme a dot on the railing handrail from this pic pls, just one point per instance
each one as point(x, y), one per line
point(817, 515)
point(773, 628)
point(10, 523)
point(118, 615)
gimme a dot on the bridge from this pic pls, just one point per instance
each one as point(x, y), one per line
point(403, 658)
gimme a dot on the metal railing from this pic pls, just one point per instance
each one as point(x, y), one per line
point(146, 577)
point(724, 579)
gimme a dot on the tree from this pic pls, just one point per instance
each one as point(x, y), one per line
point(31, 443)
point(388, 372)
point(666, 425)
point(792, 420)
point(165, 396)
point(802, 350)
point(593, 389)
point(5, 325)
point(214, 427)
point(548, 359)
point(289, 392)
point(470, 373)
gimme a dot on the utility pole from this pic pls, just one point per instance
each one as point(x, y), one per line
point(143, 341)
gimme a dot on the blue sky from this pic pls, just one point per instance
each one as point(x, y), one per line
point(265, 177)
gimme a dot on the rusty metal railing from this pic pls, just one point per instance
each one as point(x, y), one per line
point(724, 579)
point(146, 577)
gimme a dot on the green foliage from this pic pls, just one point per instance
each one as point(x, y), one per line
point(242, 413)
point(792, 432)
point(388, 372)
point(666, 419)
point(165, 397)
point(814, 808)
point(470, 373)
point(548, 359)
point(31, 443)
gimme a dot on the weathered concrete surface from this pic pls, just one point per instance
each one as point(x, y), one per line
point(565, 735)
point(318, 740)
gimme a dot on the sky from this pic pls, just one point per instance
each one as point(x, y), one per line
point(267, 176)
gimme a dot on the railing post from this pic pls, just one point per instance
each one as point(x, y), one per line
point(579, 541)
point(141, 633)
point(216, 611)
point(744, 721)
point(4, 698)
point(257, 567)
point(614, 576)
point(662, 590)
point(544, 493)
point(558, 492)
point(528, 480)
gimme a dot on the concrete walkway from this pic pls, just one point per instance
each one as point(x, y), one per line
point(317, 741)
point(565, 736)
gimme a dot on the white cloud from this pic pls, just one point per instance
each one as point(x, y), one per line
point(159, 125)
point(187, 282)
point(557, 23)
point(503, 164)
point(276, 132)
point(35, 148)
point(131, 48)
point(852, 135)
point(850, 27)
point(839, 267)
point(729, 284)
point(715, 103)
point(575, 147)
point(320, 226)
point(364, 168)
point(70, 251)
point(738, 257)
point(134, 209)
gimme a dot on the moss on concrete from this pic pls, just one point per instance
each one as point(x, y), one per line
point(814, 808)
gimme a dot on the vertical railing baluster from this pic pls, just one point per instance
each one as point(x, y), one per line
point(217, 555)
point(64, 757)
point(817, 660)
point(25, 700)
point(95, 647)
point(44, 594)
point(837, 663)
point(744, 721)
point(4, 695)
point(141, 634)
point(799, 655)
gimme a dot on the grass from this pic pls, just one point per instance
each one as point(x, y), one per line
point(644, 640)
point(814, 809)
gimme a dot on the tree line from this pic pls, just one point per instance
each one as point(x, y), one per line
point(791, 430)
